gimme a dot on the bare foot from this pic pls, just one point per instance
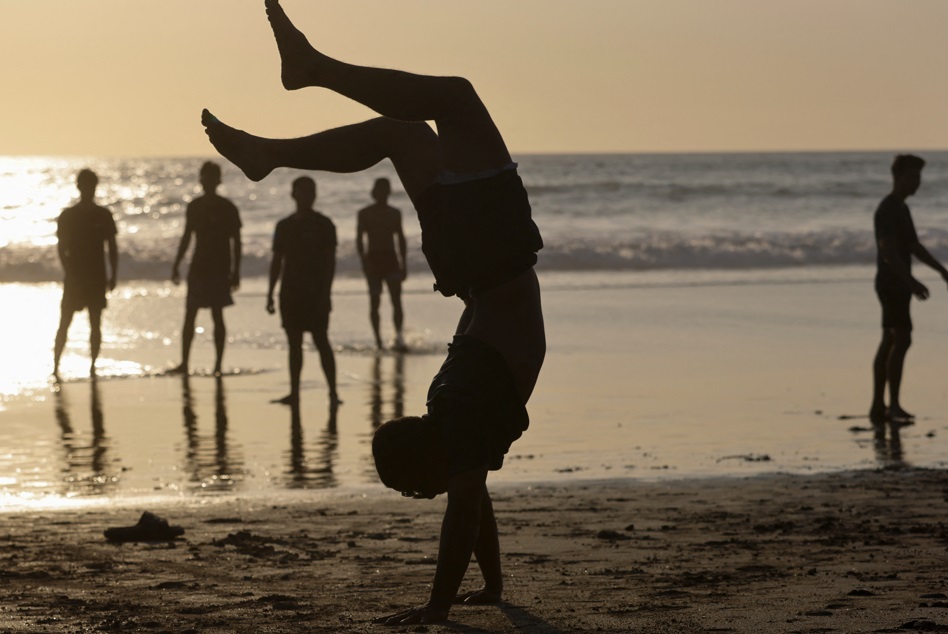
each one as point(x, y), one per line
point(244, 150)
point(297, 56)
point(289, 399)
point(181, 369)
point(898, 415)
point(334, 400)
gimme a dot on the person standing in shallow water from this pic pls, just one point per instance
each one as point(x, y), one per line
point(481, 243)
point(897, 242)
point(215, 267)
point(380, 226)
point(304, 262)
point(83, 231)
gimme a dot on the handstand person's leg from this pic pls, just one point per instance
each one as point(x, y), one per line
point(412, 147)
point(470, 142)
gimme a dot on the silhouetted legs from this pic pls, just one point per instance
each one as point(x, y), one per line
point(467, 139)
point(394, 284)
point(220, 337)
point(95, 337)
point(887, 369)
point(327, 360)
point(187, 338)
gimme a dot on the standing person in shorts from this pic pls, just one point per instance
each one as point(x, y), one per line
point(481, 243)
point(83, 231)
point(215, 267)
point(380, 226)
point(304, 262)
point(897, 242)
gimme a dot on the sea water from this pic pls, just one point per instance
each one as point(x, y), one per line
point(693, 304)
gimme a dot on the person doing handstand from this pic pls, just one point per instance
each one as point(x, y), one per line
point(480, 242)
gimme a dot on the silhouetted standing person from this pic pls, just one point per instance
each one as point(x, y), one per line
point(304, 261)
point(215, 267)
point(897, 242)
point(83, 231)
point(380, 226)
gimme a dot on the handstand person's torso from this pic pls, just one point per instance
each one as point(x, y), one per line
point(509, 317)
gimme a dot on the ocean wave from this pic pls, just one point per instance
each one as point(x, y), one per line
point(651, 251)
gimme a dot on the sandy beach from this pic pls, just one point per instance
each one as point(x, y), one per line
point(685, 470)
point(848, 552)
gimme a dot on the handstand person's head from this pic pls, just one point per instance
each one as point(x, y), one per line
point(907, 172)
point(304, 192)
point(86, 182)
point(409, 457)
point(210, 176)
point(381, 190)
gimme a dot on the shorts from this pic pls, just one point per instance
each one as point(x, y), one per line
point(305, 314)
point(474, 401)
point(209, 291)
point(895, 308)
point(382, 267)
point(80, 295)
point(477, 234)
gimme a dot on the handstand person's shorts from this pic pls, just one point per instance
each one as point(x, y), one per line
point(895, 307)
point(475, 403)
point(477, 234)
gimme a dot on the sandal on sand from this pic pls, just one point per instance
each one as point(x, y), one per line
point(150, 528)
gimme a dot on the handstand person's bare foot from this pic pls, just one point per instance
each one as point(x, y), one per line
point(298, 57)
point(244, 150)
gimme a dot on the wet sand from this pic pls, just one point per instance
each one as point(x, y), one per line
point(846, 552)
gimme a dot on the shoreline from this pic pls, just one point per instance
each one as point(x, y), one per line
point(856, 551)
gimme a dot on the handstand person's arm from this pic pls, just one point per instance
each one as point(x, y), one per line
point(459, 535)
point(487, 551)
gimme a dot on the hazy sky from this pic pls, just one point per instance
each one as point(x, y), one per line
point(129, 77)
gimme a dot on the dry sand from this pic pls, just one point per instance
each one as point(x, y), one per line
point(851, 552)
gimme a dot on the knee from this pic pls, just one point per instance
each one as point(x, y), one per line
point(461, 89)
point(902, 339)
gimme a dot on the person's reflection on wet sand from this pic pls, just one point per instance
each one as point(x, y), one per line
point(888, 450)
point(85, 465)
point(376, 398)
point(211, 469)
point(318, 473)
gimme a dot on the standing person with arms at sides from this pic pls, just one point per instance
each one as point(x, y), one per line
point(304, 262)
point(83, 231)
point(481, 243)
point(897, 242)
point(215, 267)
point(381, 227)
